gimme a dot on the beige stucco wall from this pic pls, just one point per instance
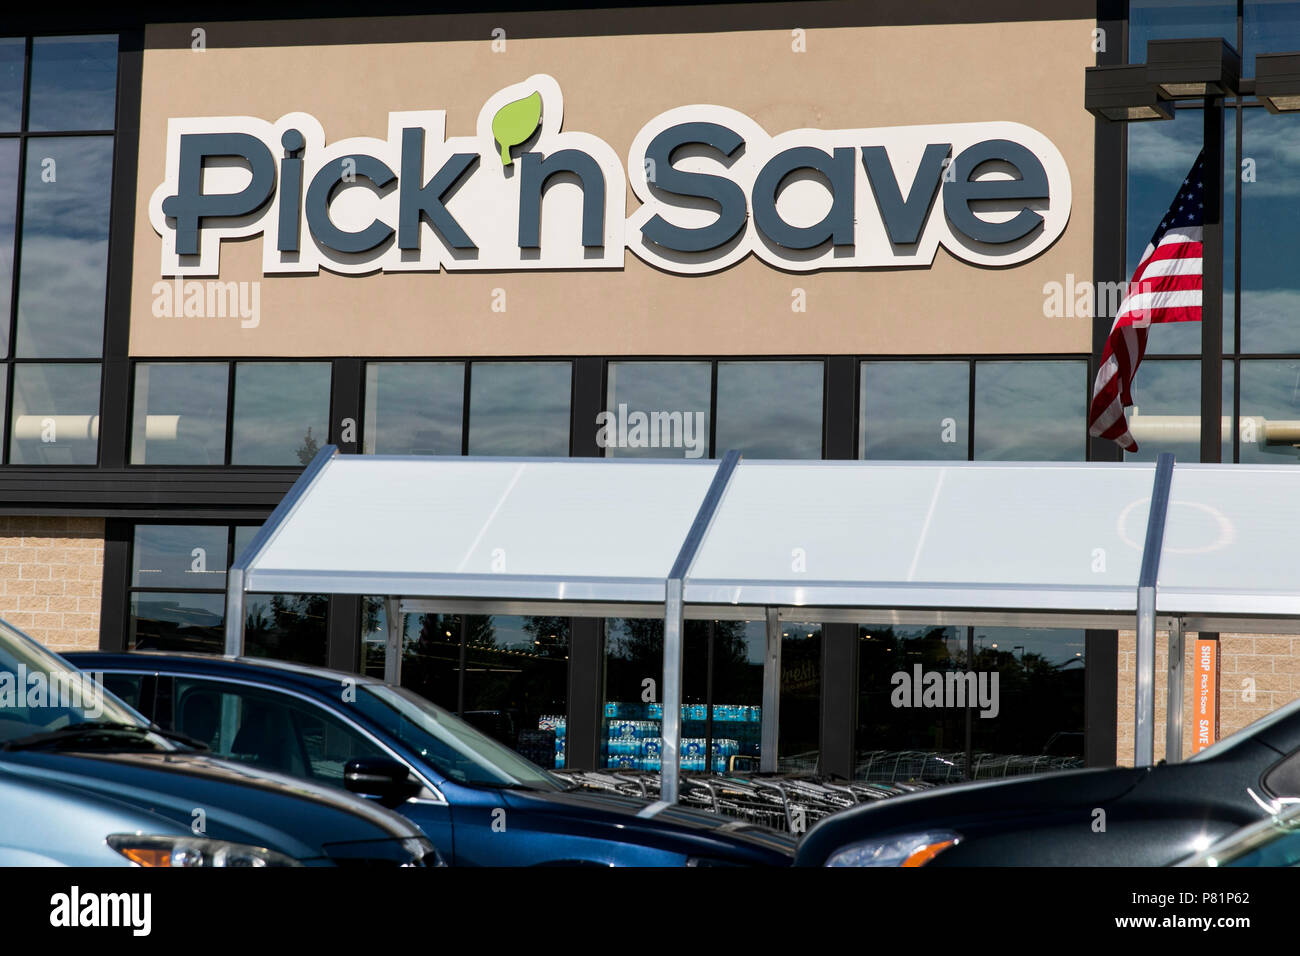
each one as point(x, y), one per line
point(849, 77)
point(51, 572)
point(1271, 662)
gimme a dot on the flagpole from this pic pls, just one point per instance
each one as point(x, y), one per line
point(1212, 286)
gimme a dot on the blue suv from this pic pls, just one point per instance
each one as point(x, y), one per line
point(478, 801)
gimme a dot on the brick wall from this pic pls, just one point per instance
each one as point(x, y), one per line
point(1270, 662)
point(51, 572)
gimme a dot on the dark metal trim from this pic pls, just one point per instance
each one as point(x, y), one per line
point(586, 693)
point(839, 705)
point(115, 597)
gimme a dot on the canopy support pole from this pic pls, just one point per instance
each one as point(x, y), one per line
point(674, 591)
point(394, 620)
point(1174, 694)
point(235, 612)
point(767, 755)
point(1144, 722)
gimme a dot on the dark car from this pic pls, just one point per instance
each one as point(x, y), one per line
point(1118, 816)
point(478, 801)
point(86, 781)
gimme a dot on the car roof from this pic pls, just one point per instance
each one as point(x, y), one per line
point(234, 666)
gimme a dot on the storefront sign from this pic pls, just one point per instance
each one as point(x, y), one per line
point(1205, 695)
point(714, 187)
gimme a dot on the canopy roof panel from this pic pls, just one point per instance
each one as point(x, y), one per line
point(1232, 537)
point(907, 534)
point(818, 534)
point(546, 529)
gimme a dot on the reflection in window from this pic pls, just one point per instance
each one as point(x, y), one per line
point(658, 410)
point(1269, 26)
point(949, 704)
point(169, 621)
point(1270, 232)
point(1178, 20)
point(55, 419)
point(507, 676)
point(519, 408)
point(12, 55)
point(281, 412)
point(914, 410)
point(1270, 411)
point(1030, 411)
point(180, 414)
point(74, 83)
point(1159, 156)
point(179, 556)
point(1166, 416)
point(770, 409)
point(61, 283)
point(286, 627)
point(414, 408)
point(799, 727)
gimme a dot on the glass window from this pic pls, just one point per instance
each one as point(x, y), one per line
point(180, 413)
point(1166, 416)
point(1031, 721)
point(657, 410)
point(13, 53)
point(67, 186)
point(1270, 411)
point(949, 704)
point(1030, 411)
point(414, 408)
point(55, 418)
point(519, 408)
point(286, 627)
point(179, 556)
point(74, 83)
point(1268, 26)
point(1178, 20)
point(9, 179)
point(269, 730)
point(1270, 232)
point(770, 409)
point(169, 621)
point(633, 711)
point(1159, 157)
point(799, 736)
point(898, 741)
point(281, 412)
point(431, 645)
point(914, 410)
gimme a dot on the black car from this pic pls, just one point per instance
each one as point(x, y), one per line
point(1118, 816)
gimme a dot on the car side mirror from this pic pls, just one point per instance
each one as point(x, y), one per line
point(388, 780)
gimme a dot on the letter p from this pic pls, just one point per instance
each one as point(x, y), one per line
point(190, 206)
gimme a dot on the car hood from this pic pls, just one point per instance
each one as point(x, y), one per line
point(228, 800)
point(694, 832)
point(950, 805)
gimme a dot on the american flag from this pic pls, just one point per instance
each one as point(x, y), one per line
point(1166, 287)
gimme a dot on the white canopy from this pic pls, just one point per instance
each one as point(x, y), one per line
point(1029, 544)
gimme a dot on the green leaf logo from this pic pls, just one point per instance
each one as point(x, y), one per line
point(515, 122)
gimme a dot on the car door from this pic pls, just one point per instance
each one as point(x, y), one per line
point(293, 734)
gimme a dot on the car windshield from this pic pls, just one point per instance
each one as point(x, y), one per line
point(40, 693)
point(1227, 743)
point(452, 747)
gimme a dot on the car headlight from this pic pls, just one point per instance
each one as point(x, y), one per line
point(145, 850)
point(902, 849)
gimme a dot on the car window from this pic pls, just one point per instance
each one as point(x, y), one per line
point(125, 687)
point(270, 730)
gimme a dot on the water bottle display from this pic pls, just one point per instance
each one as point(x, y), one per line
point(633, 742)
